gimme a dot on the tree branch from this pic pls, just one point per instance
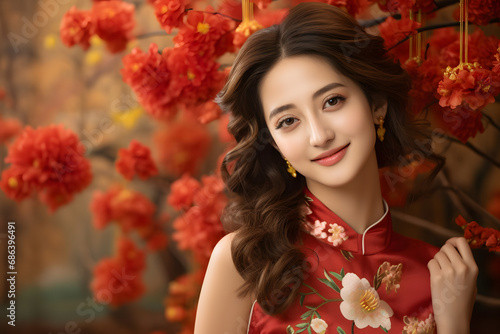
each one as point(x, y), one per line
point(425, 224)
point(491, 121)
point(474, 149)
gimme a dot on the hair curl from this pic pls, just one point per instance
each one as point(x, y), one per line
point(267, 204)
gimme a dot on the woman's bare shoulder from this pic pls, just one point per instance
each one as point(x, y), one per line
point(219, 291)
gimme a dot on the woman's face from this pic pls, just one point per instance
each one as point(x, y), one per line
point(320, 120)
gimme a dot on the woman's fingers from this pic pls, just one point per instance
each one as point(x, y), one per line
point(453, 285)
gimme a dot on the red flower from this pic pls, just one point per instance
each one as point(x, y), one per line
point(170, 13)
point(496, 62)
point(131, 210)
point(182, 146)
point(149, 77)
point(49, 161)
point(9, 128)
point(231, 8)
point(262, 4)
point(393, 31)
point(114, 22)
point(136, 160)
point(199, 229)
point(202, 34)
point(482, 49)
point(479, 236)
point(204, 113)
point(271, 17)
point(115, 283)
point(182, 192)
point(133, 257)
point(461, 122)
point(481, 12)
point(180, 305)
point(77, 28)
point(158, 240)
point(468, 85)
point(195, 80)
point(425, 79)
point(402, 6)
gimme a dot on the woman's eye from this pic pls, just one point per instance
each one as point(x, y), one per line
point(286, 122)
point(333, 101)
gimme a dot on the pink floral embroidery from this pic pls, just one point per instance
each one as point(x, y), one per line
point(338, 234)
point(413, 326)
point(318, 229)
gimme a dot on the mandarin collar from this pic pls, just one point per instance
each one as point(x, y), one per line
point(320, 219)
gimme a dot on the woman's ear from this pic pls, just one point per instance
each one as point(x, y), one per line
point(379, 111)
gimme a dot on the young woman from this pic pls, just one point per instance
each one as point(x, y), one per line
point(312, 248)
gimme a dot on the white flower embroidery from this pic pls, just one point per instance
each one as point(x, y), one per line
point(338, 234)
point(319, 325)
point(318, 229)
point(362, 303)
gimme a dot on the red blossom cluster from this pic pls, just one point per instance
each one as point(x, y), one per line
point(9, 128)
point(393, 31)
point(170, 13)
point(113, 21)
point(131, 211)
point(199, 228)
point(48, 161)
point(456, 97)
point(206, 35)
point(175, 78)
point(182, 299)
point(182, 146)
point(403, 6)
point(468, 85)
point(136, 160)
point(481, 12)
point(118, 280)
point(478, 236)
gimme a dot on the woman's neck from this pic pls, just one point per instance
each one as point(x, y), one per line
point(358, 203)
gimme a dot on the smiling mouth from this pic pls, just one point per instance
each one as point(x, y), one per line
point(331, 157)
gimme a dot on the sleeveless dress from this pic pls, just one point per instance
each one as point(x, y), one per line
point(367, 283)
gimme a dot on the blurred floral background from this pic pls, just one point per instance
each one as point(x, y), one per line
point(110, 146)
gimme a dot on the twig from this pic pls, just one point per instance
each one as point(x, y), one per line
point(433, 27)
point(377, 21)
point(474, 149)
point(469, 201)
point(487, 300)
point(152, 34)
point(214, 13)
point(452, 194)
point(492, 122)
point(425, 224)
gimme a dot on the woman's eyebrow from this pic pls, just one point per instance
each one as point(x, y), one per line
point(319, 92)
point(327, 88)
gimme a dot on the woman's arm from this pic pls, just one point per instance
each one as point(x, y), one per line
point(220, 310)
point(453, 286)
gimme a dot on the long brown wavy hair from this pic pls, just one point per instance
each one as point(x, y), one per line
point(267, 204)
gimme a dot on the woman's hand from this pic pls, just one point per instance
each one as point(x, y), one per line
point(453, 286)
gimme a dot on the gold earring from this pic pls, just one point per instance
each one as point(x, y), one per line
point(381, 129)
point(290, 169)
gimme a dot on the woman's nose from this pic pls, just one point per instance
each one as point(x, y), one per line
point(320, 133)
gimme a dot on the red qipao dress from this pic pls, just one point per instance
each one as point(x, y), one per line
point(367, 283)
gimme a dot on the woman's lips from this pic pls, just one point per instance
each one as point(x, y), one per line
point(331, 157)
